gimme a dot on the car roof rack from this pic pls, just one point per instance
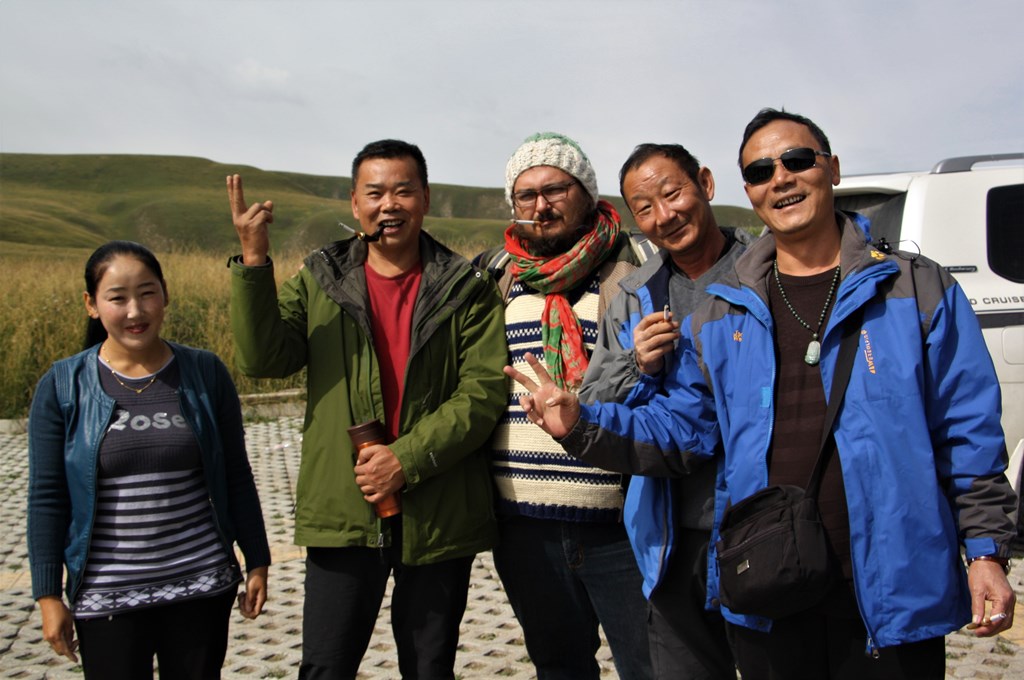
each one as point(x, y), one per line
point(965, 163)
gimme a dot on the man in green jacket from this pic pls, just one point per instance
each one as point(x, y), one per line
point(390, 326)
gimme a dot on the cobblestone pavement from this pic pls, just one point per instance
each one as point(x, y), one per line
point(270, 647)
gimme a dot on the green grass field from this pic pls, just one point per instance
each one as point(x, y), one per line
point(55, 209)
point(171, 202)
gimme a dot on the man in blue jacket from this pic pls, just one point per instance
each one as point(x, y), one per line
point(669, 194)
point(918, 460)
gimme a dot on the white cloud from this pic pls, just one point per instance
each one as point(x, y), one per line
point(302, 85)
point(258, 76)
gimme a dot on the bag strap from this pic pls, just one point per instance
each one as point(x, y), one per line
point(841, 378)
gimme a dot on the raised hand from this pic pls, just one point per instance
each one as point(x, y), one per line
point(653, 338)
point(250, 223)
point(549, 407)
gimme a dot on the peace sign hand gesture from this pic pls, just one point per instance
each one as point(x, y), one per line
point(250, 223)
point(552, 409)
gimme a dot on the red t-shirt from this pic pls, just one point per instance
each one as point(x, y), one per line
point(392, 300)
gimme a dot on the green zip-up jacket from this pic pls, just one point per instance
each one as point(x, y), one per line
point(454, 394)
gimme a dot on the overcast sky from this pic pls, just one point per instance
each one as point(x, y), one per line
point(302, 85)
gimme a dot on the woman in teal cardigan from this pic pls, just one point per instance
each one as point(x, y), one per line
point(139, 485)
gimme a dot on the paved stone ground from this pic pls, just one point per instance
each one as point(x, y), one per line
point(270, 647)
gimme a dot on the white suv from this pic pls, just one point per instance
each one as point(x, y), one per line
point(968, 215)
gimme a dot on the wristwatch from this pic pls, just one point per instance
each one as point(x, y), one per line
point(1003, 562)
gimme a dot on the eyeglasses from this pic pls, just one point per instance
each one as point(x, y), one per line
point(794, 160)
point(551, 193)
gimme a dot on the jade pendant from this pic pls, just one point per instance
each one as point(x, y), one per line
point(813, 354)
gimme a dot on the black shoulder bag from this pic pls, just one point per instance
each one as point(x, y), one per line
point(773, 554)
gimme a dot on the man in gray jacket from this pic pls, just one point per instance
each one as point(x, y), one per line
point(669, 194)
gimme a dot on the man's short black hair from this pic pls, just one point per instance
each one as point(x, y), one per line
point(769, 115)
point(391, 148)
point(686, 161)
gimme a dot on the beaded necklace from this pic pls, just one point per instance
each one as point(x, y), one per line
point(813, 354)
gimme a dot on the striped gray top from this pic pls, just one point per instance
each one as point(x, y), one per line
point(154, 540)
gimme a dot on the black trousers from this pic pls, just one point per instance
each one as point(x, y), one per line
point(344, 591)
point(188, 638)
point(687, 640)
point(829, 641)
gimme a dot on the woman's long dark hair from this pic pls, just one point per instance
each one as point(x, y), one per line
point(97, 265)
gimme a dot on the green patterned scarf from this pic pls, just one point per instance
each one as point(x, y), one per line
point(561, 333)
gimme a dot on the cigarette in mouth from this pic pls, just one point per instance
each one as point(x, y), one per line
point(525, 221)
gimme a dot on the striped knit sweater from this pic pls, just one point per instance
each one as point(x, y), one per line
point(533, 475)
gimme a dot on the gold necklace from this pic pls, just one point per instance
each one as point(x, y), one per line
point(136, 390)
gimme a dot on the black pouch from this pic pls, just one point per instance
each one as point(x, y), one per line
point(773, 554)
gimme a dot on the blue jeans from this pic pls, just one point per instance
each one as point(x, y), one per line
point(563, 579)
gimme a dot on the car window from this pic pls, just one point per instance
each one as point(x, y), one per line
point(1005, 229)
point(884, 210)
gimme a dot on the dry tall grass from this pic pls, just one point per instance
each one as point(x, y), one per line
point(44, 317)
point(41, 320)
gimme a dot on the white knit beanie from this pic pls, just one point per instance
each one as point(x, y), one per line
point(550, 148)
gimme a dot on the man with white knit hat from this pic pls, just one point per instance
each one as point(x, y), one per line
point(563, 555)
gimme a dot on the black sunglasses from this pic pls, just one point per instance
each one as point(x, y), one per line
point(794, 160)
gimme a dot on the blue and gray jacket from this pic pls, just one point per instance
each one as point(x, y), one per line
point(918, 432)
point(653, 501)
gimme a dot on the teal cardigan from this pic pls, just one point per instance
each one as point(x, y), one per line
point(68, 419)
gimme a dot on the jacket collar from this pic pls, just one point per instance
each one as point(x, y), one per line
point(338, 269)
point(864, 268)
point(660, 260)
point(338, 266)
point(855, 254)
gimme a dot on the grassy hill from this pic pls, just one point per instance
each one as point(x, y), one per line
point(55, 209)
point(173, 202)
